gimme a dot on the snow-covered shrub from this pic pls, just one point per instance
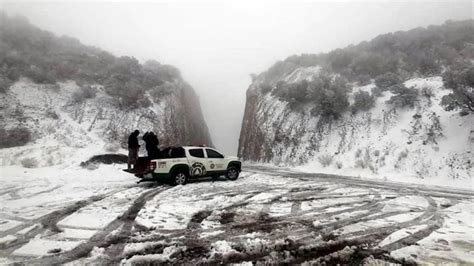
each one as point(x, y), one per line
point(372, 168)
point(131, 93)
point(423, 170)
point(52, 114)
point(54, 87)
point(325, 159)
point(265, 88)
point(360, 163)
point(256, 246)
point(50, 129)
point(387, 80)
point(295, 93)
point(376, 92)
point(449, 102)
point(434, 130)
point(83, 93)
point(403, 155)
point(338, 165)
point(363, 101)
point(5, 83)
point(427, 92)
point(50, 161)
point(29, 163)
point(364, 161)
point(40, 75)
point(363, 80)
point(18, 136)
point(358, 153)
point(404, 97)
point(329, 96)
point(158, 92)
point(460, 79)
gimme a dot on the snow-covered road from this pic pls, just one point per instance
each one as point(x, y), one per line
point(268, 215)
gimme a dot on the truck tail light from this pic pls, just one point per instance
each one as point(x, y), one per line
point(152, 166)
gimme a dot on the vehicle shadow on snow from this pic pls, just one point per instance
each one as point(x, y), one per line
point(151, 183)
point(208, 179)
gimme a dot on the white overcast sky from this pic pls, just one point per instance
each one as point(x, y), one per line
point(216, 45)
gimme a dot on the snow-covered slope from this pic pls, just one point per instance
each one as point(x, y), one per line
point(64, 130)
point(423, 142)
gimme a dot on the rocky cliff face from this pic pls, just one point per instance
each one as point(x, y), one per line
point(423, 141)
point(63, 124)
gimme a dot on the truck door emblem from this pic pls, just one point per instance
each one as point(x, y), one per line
point(198, 169)
point(212, 166)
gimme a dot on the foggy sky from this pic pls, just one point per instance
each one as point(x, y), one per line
point(217, 45)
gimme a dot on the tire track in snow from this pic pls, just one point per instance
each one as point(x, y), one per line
point(100, 238)
point(349, 181)
point(47, 222)
point(234, 231)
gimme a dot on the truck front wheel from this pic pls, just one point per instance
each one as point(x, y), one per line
point(232, 173)
point(180, 178)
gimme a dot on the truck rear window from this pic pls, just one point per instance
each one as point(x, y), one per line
point(199, 153)
point(174, 152)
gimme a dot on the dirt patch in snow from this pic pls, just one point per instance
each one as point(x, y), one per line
point(105, 159)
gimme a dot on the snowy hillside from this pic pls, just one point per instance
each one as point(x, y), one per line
point(423, 142)
point(62, 100)
point(397, 107)
point(63, 128)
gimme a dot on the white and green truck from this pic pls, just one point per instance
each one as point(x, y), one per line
point(179, 164)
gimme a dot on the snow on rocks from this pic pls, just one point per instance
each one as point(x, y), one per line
point(134, 248)
point(255, 245)
point(221, 247)
point(211, 234)
point(166, 256)
point(42, 247)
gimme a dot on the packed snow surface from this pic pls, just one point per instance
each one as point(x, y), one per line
point(102, 216)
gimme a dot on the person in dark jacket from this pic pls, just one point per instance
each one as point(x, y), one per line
point(133, 147)
point(151, 145)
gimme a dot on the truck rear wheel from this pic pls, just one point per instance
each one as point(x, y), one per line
point(180, 178)
point(232, 173)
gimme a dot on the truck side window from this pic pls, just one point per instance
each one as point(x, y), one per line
point(214, 154)
point(199, 153)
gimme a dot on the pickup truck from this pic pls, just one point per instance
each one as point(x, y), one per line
point(179, 164)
